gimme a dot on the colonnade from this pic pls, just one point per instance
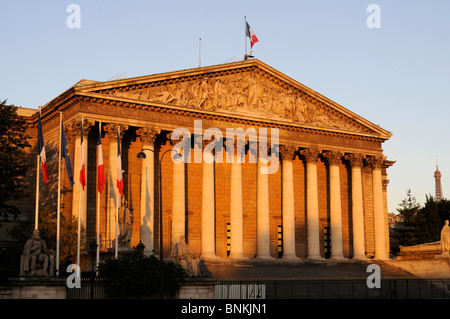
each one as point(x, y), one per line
point(287, 153)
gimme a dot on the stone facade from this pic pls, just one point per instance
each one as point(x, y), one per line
point(331, 170)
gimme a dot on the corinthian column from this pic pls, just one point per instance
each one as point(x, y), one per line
point(79, 197)
point(111, 131)
point(236, 206)
point(312, 203)
point(288, 218)
point(208, 205)
point(178, 195)
point(378, 207)
point(357, 206)
point(262, 214)
point(148, 136)
point(334, 159)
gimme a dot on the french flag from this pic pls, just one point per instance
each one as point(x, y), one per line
point(83, 169)
point(101, 170)
point(41, 150)
point(119, 167)
point(251, 35)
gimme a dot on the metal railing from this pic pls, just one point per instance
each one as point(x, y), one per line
point(334, 289)
point(298, 289)
point(96, 288)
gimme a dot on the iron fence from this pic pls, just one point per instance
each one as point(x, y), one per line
point(334, 289)
point(95, 288)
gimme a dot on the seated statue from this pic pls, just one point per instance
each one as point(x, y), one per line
point(182, 255)
point(36, 259)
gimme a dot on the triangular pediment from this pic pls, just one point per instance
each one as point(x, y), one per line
point(248, 89)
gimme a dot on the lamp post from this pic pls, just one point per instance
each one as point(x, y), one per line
point(92, 250)
point(141, 155)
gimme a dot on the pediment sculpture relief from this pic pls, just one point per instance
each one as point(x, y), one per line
point(245, 94)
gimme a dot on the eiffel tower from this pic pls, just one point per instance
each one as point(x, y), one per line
point(437, 178)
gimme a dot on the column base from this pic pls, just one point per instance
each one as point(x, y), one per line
point(289, 257)
point(359, 257)
point(264, 256)
point(237, 256)
point(209, 257)
point(383, 257)
point(338, 258)
point(315, 257)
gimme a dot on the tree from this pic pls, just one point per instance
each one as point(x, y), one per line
point(420, 224)
point(405, 233)
point(13, 165)
point(431, 218)
point(135, 275)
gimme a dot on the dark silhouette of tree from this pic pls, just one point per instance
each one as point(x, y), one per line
point(13, 165)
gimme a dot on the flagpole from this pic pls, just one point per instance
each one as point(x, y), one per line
point(117, 201)
point(58, 218)
point(245, 37)
point(36, 215)
point(98, 206)
point(79, 207)
point(37, 193)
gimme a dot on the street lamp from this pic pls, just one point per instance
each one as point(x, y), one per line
point(92, 250)
point(141, 155)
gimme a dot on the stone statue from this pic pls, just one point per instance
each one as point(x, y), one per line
point(125, 225)
point(445, 238)
point(36, 257)
point(183, 256)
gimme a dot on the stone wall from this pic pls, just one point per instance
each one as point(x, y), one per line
point(425, 268)
point(34, 288)
point(52, 288)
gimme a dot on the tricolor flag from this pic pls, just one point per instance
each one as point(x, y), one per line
point(41, 150)
point(82, 169)
point(251, 35)
point(119, 167)
point(101, 170)
point(65, 155)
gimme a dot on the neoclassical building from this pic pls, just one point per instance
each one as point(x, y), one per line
point(324, 195)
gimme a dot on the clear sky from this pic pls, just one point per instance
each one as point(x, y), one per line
point(396, 76)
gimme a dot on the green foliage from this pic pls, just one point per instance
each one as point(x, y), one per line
point(13, 166)
point(420, 224)
point(135, 275)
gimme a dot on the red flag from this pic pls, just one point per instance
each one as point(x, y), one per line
point(82, 170)
point(119, 167)
point(100, 170)
point(251, 35)
point(41, 150)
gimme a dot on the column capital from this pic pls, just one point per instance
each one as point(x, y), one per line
point(147, 134)
point(311, 154)
point(70, 132)
point(354, 159)
point(287, 152)
point(74, 127)
point(376, 162)
point(111, 129)
point(385, 184)
point(333, 157)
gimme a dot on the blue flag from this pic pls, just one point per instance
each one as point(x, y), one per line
point(65, 155)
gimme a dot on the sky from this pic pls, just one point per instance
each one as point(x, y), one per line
point(389, 65)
